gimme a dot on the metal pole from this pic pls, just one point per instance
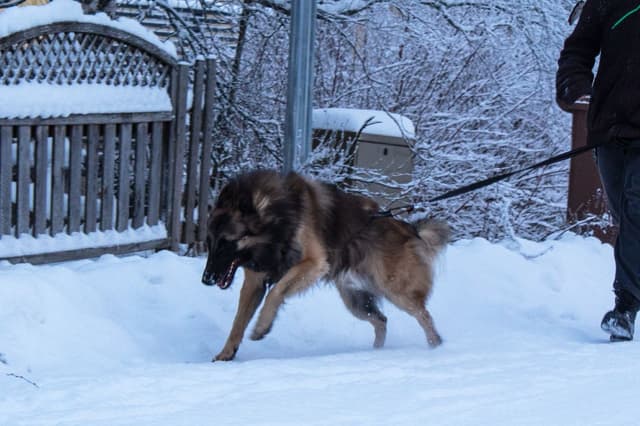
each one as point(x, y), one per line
point(297, 140)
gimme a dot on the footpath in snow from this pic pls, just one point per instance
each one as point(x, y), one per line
point(128, 341)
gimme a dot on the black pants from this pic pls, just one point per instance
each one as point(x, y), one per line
point(619, 167)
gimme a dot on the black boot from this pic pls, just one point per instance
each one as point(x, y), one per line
point(619, 325)
point(620, 322)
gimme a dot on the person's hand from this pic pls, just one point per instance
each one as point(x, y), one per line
point(571, 106)
point(584, 99)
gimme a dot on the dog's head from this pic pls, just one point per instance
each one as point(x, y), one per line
point(243, 231)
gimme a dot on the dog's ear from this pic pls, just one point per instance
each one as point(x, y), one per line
point(261, 201)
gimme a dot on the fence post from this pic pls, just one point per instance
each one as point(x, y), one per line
point(177, 162)
point(40, 179)
point(188, 236)
point(24, 179)
point(6, 140)
point(207, 144)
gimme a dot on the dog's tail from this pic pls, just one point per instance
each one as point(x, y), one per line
point(435, 233)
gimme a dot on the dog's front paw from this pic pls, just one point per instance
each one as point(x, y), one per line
point(227, 354)
point(260, 332)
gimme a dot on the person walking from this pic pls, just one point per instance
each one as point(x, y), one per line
point(611, 29)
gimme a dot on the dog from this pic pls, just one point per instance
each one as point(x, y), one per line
point(287, 232)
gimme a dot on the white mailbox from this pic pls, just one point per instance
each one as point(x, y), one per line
point(384, 143)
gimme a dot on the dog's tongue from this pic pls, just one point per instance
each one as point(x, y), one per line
point(226, 280)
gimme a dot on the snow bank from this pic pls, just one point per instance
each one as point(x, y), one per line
point(352, 120)
point(127, 341)
point(17, 19)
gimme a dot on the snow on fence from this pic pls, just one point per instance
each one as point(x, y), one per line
point(97, 138)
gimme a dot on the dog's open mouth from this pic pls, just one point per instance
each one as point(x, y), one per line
point(227, 278)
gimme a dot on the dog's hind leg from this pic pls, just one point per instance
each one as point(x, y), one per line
point(414, 305)
point(297, 279)
point(426, 322)
point(251, 295)
point(363, 305)
point(405, 277)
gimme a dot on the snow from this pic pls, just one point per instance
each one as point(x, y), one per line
point(27, 244)
point(127, 341)
point(51, 100)
point(17, 19)
point(351, 120)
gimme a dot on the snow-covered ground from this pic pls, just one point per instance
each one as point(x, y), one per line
point(128, 341)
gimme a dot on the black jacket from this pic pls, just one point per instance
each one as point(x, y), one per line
point(610, 28)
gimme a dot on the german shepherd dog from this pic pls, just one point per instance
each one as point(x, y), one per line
point(288, 232)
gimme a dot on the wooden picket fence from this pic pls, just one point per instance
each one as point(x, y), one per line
point(88, 173)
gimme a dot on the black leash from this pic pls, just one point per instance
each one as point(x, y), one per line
point(493, 179)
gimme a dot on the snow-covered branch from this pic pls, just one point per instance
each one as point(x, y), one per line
point(475, 77)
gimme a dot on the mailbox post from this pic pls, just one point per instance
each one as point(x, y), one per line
point(586, 194)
